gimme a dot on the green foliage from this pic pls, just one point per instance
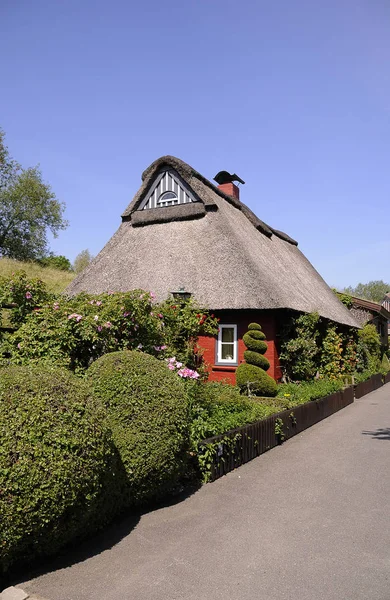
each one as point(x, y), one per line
point(294, 394)
point(373, 290)
point(368, 349)
point(346, 299)
point(73, 332)
point(251, 377)
point(28, 208)
point(385, 364)
point(56, 262)
point(279, 431)
point(81, 261)
point(260, 383)
point(259, 360)
point(219, 407)
point(183, 323)
point(148, 414)
point(256, 345)
point(300, 351)
point(58, 466)
point(255, 327)
point(27, 294)
point(332, 363)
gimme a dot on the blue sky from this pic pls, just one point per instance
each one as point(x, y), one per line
point(294, 96)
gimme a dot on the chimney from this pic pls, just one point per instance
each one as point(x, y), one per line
point(226, 185)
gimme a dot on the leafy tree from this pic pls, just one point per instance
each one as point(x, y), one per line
point(59, 262)
point(373, 290)
point(28, 209)
point(82, 260)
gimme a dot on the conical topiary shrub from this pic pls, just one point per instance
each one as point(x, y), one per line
point(251, 376)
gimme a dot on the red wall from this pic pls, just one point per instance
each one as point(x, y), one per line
point(268, 322)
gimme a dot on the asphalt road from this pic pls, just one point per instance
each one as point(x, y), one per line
point(309, 520)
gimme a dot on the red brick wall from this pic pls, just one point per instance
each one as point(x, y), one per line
point(268, 322)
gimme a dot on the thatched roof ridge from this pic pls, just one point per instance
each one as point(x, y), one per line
point(223, 254)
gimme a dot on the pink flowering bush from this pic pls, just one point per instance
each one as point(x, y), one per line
point(73, 332)
point(184, 372)
point(26, 294)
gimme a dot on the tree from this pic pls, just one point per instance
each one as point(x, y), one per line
point(373, 290)
point(82, 260)
point(28, 209)
point(59, 262)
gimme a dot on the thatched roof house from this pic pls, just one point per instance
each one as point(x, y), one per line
point(180, 230)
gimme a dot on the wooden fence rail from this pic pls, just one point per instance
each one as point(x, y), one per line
point(238, 446)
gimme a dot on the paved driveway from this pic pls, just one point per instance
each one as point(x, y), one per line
point(309, 520)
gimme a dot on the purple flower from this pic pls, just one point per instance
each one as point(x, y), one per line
point(28, 295)
point(152, 295)
point(160, 316)
point(140, 346)
point(98, 303)
point(164, 347)
point(126, 314)
point(56, 306)
point(19, 345)
point(108, 324)
point(99, 328)
point(171, 367)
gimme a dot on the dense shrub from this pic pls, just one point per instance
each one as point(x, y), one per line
point(300, 348)
point(28, 294)
point(73, 332)
point(57, 462)
point(369, 348)
point(332, 360)
point(148, 414)
point(251, 376)
point(293, 394)
point(385, 365)
point(218, 407)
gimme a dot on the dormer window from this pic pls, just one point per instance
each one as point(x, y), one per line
point(168, 189)
point(168, 199)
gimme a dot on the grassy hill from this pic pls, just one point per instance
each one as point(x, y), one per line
point(55, 280)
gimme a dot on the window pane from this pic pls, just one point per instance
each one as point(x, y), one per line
point(227, 334)
point(227, 351)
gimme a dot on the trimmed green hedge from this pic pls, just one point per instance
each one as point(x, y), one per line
point(58, 466)
point(254, 358)
point(261, 384)
point(148, 414)
point(251, 377)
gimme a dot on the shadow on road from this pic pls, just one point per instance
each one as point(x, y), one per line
point(100, 542)
point(379, 434)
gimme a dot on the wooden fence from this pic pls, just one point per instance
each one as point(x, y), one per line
point(365, 387)
point(238, 446)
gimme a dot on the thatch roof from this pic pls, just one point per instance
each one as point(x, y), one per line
point(215, 247)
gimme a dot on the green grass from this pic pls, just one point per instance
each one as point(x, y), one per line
point(56, 280)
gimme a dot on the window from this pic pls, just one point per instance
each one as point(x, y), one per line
point(227, 344)
point(167, 199)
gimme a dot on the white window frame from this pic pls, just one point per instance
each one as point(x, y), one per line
point(170, 201)
point(227, 361)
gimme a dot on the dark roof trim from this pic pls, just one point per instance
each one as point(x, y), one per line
point(178, 212)
point(372, 306)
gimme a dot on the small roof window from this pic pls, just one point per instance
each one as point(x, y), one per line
point(167, 199)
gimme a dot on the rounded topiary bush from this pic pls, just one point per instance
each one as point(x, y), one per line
point(148, 415)
point(252, 374)
point(57, 462)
